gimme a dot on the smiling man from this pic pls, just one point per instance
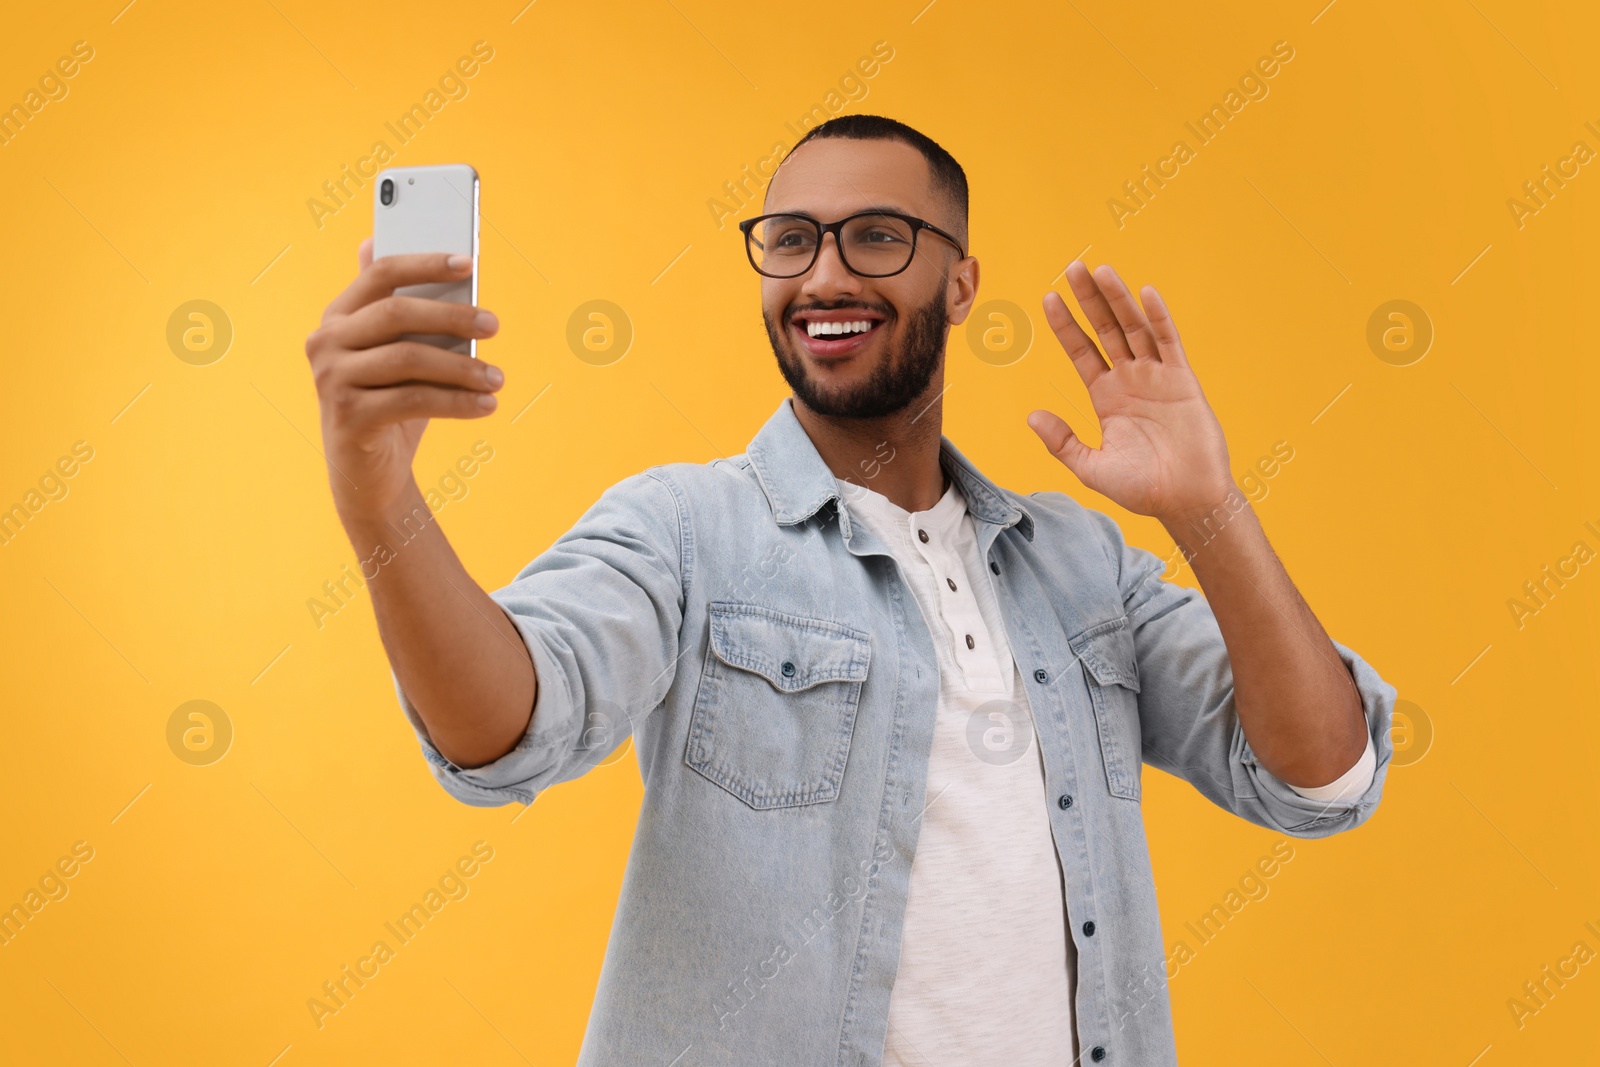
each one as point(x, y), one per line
point(890, 716)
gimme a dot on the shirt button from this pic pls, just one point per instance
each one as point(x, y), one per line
point(994, 566)
point(1088, 928)
point(1097, 1053)
point(1065, 801)
point(788, 669)
point(922, 535)
point(952, 583)
point(1040, 676)
point(969, 642)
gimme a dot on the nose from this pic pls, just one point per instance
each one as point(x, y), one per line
point(829, 275)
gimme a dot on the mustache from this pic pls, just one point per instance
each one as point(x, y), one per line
point(885, 311)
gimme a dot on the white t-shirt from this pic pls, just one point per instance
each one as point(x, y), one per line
point(988, 972)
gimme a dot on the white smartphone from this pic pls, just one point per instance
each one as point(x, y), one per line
point(430, 209)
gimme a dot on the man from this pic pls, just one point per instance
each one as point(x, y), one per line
point(890, 717)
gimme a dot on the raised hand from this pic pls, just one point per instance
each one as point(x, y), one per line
point(377, 392)
point(1162, 451)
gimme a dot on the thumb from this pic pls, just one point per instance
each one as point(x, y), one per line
point(1062, 442)
point(364, 254)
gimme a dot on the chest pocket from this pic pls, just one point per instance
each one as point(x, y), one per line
point(1112, 674)
point(776, 709)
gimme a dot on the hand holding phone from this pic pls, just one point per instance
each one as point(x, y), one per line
point(398, 346)
point(430, 209)
point(379, 380)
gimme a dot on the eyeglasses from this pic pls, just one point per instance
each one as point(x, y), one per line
point(873, 244)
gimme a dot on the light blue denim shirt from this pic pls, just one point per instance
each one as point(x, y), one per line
point(779, 681)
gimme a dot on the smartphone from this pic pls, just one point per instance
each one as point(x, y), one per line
point(430, 209)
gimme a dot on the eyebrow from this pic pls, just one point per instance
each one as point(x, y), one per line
point(888, 208)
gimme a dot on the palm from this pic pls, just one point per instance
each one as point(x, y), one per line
point(1162, 451)
point(373, 473)
point(411, 436)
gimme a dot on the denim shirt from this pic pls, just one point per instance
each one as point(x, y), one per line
point(772, 666)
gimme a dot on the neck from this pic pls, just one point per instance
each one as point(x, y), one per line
point(896, 455)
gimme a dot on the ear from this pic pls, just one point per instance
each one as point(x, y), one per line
point(961, 292)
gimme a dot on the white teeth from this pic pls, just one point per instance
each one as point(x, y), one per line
point(823, 329)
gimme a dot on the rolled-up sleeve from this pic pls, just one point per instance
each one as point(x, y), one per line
point(600, 611)
point(1188, 719)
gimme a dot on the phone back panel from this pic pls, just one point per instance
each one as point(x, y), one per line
point(435, 209)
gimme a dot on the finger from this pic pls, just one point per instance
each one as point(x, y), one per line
point(407, 362)
point(385, 320)
point(371, 408)
point(1098, 310)
point(1062, 442)
point(1085, 356)
point(364, 254)
point(1130, 317)
point(1165, 330)
point(382, 276)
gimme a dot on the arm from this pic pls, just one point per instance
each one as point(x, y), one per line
point(1163, 454)
point(451, 646)
point(600, 612)
point(1188, 722)
point(1295, 698)
point(454, 652)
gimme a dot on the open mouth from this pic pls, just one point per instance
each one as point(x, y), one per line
point(836, 336)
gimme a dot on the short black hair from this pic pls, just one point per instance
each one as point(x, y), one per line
point(948, 178)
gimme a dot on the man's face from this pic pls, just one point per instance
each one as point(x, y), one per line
point(893, 363)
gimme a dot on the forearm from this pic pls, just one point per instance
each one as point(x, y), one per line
point(1296, 701)
point(458, 657)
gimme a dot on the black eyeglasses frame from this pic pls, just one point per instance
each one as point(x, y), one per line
point(836, 228)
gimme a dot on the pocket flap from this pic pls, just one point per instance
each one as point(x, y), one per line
point(1107, 652)
point(791, 652)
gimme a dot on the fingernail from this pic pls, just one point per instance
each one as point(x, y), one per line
point(486, 401)
point(459, 262)
point(486, 321)
point(493, 376)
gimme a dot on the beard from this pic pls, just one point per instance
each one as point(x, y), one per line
point(901, 377)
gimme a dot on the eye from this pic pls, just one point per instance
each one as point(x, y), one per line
point(787, 237)
point(877, 232)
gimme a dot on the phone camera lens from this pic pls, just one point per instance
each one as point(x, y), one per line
point(386, 192)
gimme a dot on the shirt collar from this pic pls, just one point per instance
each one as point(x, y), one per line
point(798, 483)
point(944, 516)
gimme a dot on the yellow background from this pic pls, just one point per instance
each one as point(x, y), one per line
point(180, 563)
